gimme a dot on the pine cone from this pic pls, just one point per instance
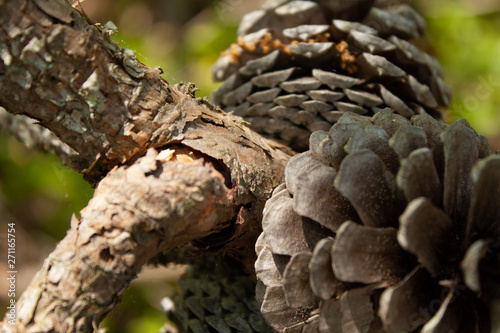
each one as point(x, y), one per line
point(384, 225)
point(299, 65)
point(215, 301)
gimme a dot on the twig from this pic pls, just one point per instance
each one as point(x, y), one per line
point(34, 136)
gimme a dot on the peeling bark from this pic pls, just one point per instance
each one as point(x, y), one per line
point(103, 102)
point(204, 179)
point(136, 211)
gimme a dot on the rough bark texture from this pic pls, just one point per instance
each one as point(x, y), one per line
point(103, 102)
point(136, 211)
point(206, 181)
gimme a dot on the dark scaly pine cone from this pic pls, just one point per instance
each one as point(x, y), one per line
point(215, 296)
point(299, 65)
point(384, 225)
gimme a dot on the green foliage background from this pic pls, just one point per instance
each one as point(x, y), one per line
point(184, 38)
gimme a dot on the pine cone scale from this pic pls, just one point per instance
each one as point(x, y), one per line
point(361, 253)
point(484, 215)
point(401, 304)
point(430, 235)
point(410, 264)
point(374, 203)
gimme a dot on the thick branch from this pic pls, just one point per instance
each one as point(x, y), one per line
point(110, 108)
point(96, 97)
point(34, 136)
point(138, 212)
point(154, 205)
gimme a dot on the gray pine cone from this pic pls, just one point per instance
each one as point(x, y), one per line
point(299, 65)
point(384, 225)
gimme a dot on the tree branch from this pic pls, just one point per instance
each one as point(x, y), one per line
point(209, 183)
point(34, 136)
point(154, 205)
point(138, 212)
point(102, 101)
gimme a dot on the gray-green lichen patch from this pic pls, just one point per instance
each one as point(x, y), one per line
point(132, 65)
point(20, 76)
point(90, 91)
point(72, 121)
point(107, 30)
point(119, 74)
point(60, 95)
point(19, 42)
point(35, 57)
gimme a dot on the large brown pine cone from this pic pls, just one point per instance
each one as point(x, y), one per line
point(299, 65)
point(384, 225)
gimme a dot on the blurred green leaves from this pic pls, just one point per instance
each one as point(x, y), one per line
point(136, 314)
point(185, 52)
point(38, 190)
point(468, 47)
